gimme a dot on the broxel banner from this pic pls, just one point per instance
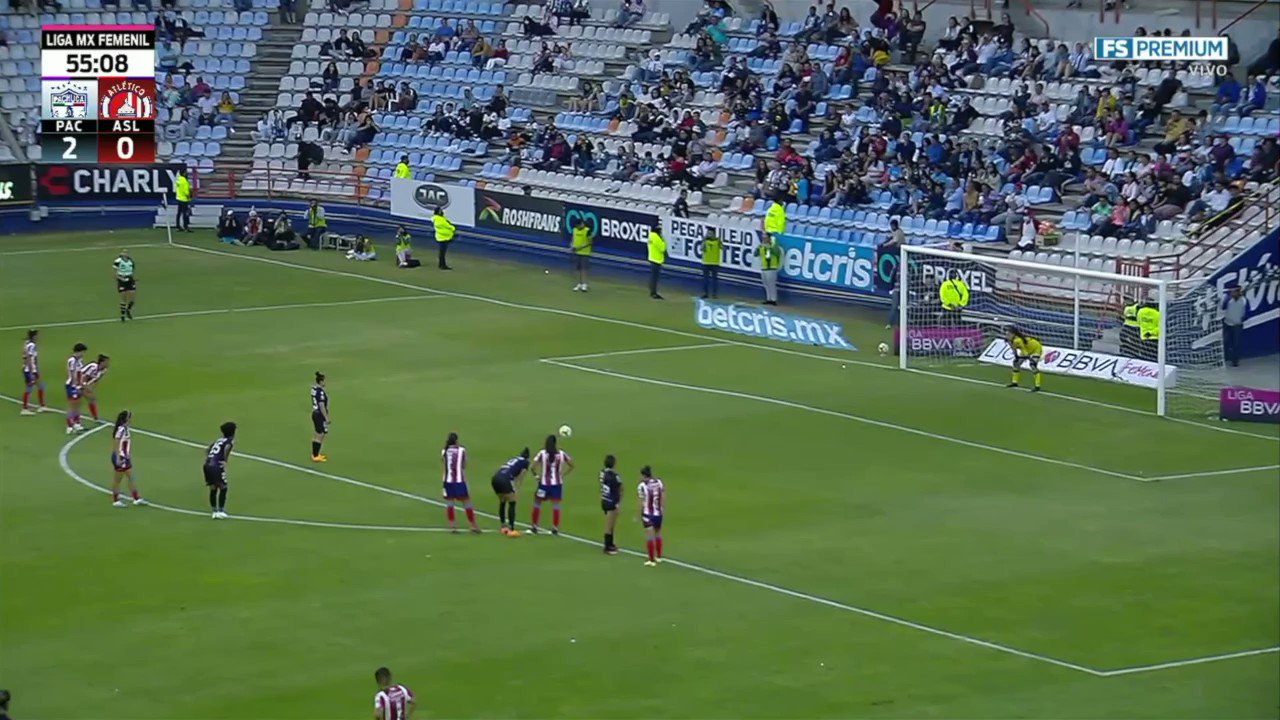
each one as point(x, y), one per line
point(759, 322)
point(613, 229)
point(684, 242)
point(15, 184)
point(60, 183)
point(419, 200)
point(1088, 364)
point(1249, 404)
point(524, 214)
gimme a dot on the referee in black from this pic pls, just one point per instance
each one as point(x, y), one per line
point(610, 499)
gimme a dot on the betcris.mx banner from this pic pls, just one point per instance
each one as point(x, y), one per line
point(1257, 271)
point(612, 229)
point(825, 263)
point(761, 322)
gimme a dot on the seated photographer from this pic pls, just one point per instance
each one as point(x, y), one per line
point(403, 250)
point(363, 250)
point(229, 229)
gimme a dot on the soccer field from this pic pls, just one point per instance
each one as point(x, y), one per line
point(845, 539)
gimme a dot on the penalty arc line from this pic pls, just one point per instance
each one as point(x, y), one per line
point(661, 329)
point(847, 416)
point(865, 612)
point(226, 311)
point(65, 463)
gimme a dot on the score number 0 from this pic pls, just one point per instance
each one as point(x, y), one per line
point(124, 148)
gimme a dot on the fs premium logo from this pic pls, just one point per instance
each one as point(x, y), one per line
point(1161, 49)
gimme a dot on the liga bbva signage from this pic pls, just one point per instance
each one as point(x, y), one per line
point(419, 200)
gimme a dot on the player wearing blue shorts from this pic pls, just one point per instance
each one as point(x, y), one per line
point(453, 462)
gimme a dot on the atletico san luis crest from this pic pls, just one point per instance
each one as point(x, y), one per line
point(121, 99)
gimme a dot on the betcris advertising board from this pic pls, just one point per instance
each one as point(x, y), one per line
point(829, 264)
point(1257, 271)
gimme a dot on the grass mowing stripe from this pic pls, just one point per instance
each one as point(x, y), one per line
point(1188, 662)
point(849, 416)
point(865, 612)
point(225, 311)
point(71, 473)
point(672, 331)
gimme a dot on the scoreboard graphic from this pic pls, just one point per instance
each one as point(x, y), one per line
point(98, 94)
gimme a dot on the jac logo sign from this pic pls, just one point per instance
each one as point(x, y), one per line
point(431, 197)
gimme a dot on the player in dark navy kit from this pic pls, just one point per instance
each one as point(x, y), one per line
point(610, 500)
point(319, 417)
point(215, 469)
point(506, 485)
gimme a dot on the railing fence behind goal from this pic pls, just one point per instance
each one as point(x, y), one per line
point(1078, 316)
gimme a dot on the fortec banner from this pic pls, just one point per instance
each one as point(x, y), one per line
point(1087, 364)
point(419, 200)
point(828, 264)
point(1249, 404)
point(945, 341)
point(15, 184)
point(611, 228)
point(523, 214)
point(57, 183)
point(759, 322)
point(684, 242)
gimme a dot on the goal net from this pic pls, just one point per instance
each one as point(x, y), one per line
point(1078, 316)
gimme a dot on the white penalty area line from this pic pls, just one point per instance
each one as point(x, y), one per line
point(66, 468)
point(836, 605)
point(1214, 473)
point(846, 416)
point(667, 330)
point(639, 351)
point(87, 248)
point(226, 311)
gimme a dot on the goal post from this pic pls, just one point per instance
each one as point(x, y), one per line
point(1077, 314)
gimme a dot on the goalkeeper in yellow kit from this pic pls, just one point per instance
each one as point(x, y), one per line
point(1026, 349)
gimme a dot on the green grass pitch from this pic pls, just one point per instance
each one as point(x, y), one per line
point(848, 540)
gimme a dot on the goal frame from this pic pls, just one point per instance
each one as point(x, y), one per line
point(1158, 287)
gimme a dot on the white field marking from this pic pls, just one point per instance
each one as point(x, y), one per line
point(848, 416)
point(865, 612)
point(1212, 473)
point(66, 468)
point(641, 351)
point(657, 328)
point(1227, 430)
point(89, 248)
point(1190, 661)
point(225, 311)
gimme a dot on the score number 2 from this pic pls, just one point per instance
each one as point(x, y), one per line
point(124, 147)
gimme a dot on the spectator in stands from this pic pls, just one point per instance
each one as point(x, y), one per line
point(436, 50)
point(288, 12)
point(630, 13)
point(407, 100)
point(1255, 97)
point(588, 101)
point(329, 78)
point(481, 52)
point(208, 110)
point(1269, 62)
point(1213, 200)
point(534, 28)
point(308, 111)
point(680, 208)
point(363, 133)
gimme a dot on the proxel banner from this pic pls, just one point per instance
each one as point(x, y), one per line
point(760, 322)
point(684, 242)
point(826, 263)
point(612, 229)
point(419, 200)
point(542, 218)
point(60, 183)
point(944, 341)
point(1249, 404)
point(15, 185)
point(1087, 364)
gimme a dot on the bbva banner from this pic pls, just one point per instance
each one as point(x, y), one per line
point(419, 200)
point(1257, 271)
point(1087, 364)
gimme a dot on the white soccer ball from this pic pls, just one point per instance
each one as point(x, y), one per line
point(566, 431)
point(884, 349)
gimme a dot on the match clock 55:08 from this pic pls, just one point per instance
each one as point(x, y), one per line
point(105, 62)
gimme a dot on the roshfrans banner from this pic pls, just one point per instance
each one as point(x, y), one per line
point(1088, 364)
point(419, 200)
point(759, 322)
point(1249, 404)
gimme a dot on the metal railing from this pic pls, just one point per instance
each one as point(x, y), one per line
point(354, 188)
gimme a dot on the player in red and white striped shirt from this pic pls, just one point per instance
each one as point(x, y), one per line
point(89, 376)
point(122, 461)
point(31, 374)
point(75, 381)
point(550, 466)
point(653, 503)
point(453, 462)
point(393, 702)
